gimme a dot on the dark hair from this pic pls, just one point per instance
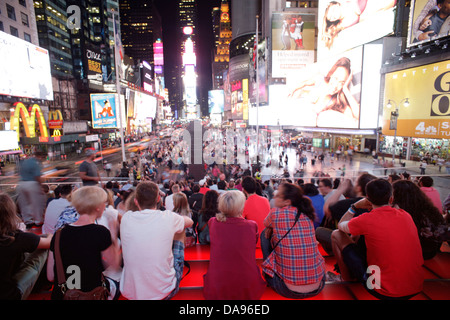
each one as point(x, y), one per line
point(394, 177)
point(408, 196)
point(295, 194)
point(196, 188)
point(310, 189)
point(65, 189)
point(326, 183)
point(249, 184)
point(426, 181)
point(221, 185)
point(379, 191)
point(210, 204)
point(363, 180)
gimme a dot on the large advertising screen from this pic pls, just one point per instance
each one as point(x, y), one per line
point(144, 107)
point(239, 100)
point(104, 107)
point(216, 100)
point(24, 69)
point(429, 20)
point(345, 24)
point(293, 42)
point(325, 94)
point(428, 92)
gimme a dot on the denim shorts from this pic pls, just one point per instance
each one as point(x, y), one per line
point(178, 264)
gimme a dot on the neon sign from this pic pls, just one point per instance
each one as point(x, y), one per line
point(28, 120)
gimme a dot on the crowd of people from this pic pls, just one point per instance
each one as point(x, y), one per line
point(130, 235)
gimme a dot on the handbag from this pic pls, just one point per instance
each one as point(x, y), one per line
point(98, 293)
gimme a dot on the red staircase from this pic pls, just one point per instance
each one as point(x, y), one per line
point(436, 286)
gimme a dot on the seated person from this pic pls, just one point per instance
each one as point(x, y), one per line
point(394, 253)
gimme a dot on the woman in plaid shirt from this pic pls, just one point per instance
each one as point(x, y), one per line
point(293, 265)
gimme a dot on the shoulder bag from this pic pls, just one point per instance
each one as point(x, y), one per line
point(98, 293)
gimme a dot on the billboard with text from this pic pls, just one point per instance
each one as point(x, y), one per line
point(428, 92)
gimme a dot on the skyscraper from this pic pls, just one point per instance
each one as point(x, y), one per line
point(140, 25)
point(54, 36)
point(223, 37)
point(187, 18)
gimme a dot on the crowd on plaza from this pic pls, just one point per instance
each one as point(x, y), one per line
point(130, 231)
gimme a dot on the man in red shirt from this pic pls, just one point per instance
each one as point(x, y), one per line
point(256, 207)
point(393, 267)
point(203, 186)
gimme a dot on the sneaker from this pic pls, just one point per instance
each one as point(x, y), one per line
point(333, 277)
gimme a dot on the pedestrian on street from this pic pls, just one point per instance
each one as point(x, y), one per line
point(88, 169)
point(423, 166)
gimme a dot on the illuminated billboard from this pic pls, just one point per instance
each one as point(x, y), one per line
point(104, 107)
point(158, 53)
point(345, 24)
point(144, 107)
point(326, 94)
point(293, 41)
point(239, 100)
point(428, 93)
point(216, 100)
point(93, 60)
point(190, 85)
point(24, 69)
point(428, 21)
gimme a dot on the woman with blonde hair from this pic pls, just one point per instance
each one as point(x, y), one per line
point(233, 273)
point(181, 206)
point(84, 243)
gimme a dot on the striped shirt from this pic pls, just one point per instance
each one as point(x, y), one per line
point(296, 259)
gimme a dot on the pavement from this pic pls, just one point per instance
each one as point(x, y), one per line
point(361, 163)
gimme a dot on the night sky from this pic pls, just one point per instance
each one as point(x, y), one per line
point(168, 12)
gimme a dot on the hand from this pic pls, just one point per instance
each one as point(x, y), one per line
point(425, 35)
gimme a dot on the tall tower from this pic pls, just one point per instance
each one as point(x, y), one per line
point(187, 18)
point(138, 22)
point(222, 49)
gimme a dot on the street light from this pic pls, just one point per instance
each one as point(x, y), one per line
point(393, 123)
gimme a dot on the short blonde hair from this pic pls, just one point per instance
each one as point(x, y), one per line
point(231, 204)
point(87, 199)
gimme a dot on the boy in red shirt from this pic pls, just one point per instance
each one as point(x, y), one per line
point(393, 267)
point(256, 207)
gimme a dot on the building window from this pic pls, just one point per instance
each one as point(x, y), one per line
point(23, 3)
point(26, 37)
point(24, 19)
point(1, 26)
point(11, 12)
point(14, 31)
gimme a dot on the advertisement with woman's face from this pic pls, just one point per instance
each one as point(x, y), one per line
point(345, 24)
point(326, 94)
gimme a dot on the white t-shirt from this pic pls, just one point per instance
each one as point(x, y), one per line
point(54, 210)
point(169, 202)
point(147, 237)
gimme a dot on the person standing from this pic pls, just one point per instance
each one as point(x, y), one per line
point(31, 198)
point(88, 170)
point(423, 167)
